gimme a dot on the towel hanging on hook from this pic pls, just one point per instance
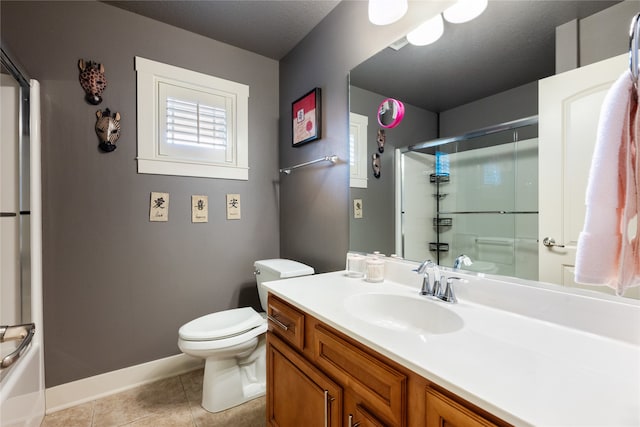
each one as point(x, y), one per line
point(608, 249)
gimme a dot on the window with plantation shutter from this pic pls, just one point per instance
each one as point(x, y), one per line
point(197, 124)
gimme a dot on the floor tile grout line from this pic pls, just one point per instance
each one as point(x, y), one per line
point(93, 412)
point(186, 395)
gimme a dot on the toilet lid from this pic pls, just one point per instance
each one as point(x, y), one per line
point(222, 324)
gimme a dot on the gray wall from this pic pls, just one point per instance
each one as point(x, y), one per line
point(376, 230)
point(117, 287)
point(606, 34)
point(314, 205)
point(506, 106)
point(597, 37)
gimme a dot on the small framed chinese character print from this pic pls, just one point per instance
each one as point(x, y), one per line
point(233, 206)
point(159, 208)
point(199, 209)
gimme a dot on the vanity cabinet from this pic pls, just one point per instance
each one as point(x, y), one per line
point(319, 376)
point(297, 392)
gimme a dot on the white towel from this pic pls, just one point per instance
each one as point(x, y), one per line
point(605, 255)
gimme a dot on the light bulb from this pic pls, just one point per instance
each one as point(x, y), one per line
point(464, 11)
point(384, 12)
point(427, 32)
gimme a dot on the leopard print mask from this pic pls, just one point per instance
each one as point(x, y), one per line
point(92, 80)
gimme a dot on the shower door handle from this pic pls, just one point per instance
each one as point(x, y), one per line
point(550, 242)
point(9, 333)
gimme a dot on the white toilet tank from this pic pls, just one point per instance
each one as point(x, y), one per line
point(276, 269)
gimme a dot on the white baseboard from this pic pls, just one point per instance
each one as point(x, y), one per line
point(87, 389)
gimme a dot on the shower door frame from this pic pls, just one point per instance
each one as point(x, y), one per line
point(22, 391)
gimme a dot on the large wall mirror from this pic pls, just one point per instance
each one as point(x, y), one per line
point(460, 174)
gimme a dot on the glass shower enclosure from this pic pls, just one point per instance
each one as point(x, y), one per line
point(21, 316)
point(475, 194)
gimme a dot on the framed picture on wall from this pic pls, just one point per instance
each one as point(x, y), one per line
point(306, 115)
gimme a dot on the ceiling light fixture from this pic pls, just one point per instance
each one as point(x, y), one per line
point(427, 32)
point(385, 12)
point(464, 11)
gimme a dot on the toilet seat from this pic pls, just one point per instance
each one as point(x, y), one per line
point(222, 325)
point(229, 343)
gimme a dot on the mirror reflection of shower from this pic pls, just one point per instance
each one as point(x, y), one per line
point(476, 194)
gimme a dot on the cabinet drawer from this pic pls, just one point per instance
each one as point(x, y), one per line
point(286, 322)
point(444, 411)
point(377, 384)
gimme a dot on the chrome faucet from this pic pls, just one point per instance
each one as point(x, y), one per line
point(461, 260)
point(448, 295)
point(442, 288)
point(423, 269)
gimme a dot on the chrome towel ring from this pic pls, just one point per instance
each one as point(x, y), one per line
point(634, 34)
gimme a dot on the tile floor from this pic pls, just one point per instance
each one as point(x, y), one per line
point(172, 402)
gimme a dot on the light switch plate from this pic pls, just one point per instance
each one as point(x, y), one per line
point(357, 208)
point(233, 206)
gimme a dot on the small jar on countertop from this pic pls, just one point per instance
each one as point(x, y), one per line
point(375, 270)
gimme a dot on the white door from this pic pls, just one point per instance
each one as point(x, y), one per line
point(569, 107)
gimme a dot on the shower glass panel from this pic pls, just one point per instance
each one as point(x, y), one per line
point(15, 268)
point(475, 195)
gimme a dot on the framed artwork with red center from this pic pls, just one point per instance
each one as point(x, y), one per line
point(307, 118)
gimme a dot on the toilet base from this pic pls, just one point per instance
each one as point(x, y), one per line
point(232, 381)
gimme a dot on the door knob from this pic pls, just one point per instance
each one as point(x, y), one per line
point(551, 242)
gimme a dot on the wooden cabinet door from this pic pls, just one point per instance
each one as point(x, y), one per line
point(299, 394)
point(376, 384)
point(445, 412)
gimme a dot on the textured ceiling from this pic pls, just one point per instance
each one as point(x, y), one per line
point(266, 27)
point(512, 43)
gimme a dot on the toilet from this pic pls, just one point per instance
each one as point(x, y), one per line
point(232, 342)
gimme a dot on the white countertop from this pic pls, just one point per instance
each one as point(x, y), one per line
point(524, 368)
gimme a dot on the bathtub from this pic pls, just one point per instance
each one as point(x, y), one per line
point(22, 388)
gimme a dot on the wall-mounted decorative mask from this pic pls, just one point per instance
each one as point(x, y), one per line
point(92, 80)
point(382, 139)
point(376, 164)
point(108, 129)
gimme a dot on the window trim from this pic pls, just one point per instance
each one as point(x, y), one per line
point(149, 74)
point(358, 128)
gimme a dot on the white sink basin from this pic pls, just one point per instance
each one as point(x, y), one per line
point(404, 313)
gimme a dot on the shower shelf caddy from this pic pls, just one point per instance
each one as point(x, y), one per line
point(439, 222)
